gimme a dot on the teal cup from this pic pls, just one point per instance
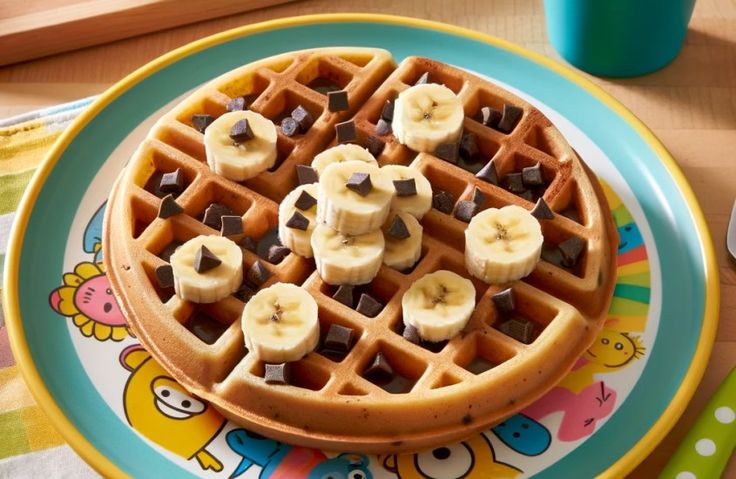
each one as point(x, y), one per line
point(618, 38)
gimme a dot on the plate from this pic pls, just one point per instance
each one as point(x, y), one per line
point(94, 381)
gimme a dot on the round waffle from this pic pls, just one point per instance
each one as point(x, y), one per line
point(438, 391)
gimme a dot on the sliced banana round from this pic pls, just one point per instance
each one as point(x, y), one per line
point(439, 305)
point(212, 284)
point(427, 115)
point(280, 323)
point(358, 210)
point(403, 236)
point(347, 259)
point(298, 240)
point(240, 160)
point(340, 154)
point(420, 201)
point(502, 245)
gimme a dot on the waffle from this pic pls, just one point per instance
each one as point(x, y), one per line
point(440, 392)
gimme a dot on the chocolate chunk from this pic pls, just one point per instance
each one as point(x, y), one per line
point(205, 260)
point(306, 174)
point(201, 122)
point(504, 301)
point(411, 334)
point(169, 250)
point(379, 370)
point(541, 211)
point(231, 225)
point(248, 243)
point(344, 295)
point(289, 126)
point(169, 207)
point(509, 119)
point(305, 201)
point(443, 201)
point(465, 210)
point(398, 229)
point(345, 131)
point(469, 145)
point(375, 145)
point(205, 328)
point(338, 339)
point(406, 187)
point(241, 132)
point(423, 79)
point(277, 253)
point(172, 182)
point(303, 118)
point(478, 196)
point(383, 127)
point(521, 330)
point(387, 113)
point(236, 104)
point(488, 173)
point(214, 213)
point(368, 306)
point(277, 373)
point(258, 274)
point(165, 276)
point(298, 221)
point(532, 175)
point(571, 249)
point(337, 100)
point(526, 194)
point(360, 183)
point(447, 152)
point(513, 183)
point(488, 116)
point(246, 291)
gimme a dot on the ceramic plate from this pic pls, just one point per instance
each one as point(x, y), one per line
point(93, 379)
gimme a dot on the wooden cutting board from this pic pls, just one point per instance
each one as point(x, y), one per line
point(35, 28)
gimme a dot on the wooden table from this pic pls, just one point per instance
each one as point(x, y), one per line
point(690, 105)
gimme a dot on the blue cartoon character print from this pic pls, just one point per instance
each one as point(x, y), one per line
point(524, 435)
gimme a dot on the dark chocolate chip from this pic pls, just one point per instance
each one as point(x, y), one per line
point(172, 182)
point(248, 243)
point(513, 183)
point(289, 126)
point(521, 330)
point(469, 145)
point(379, 370)
point(398, 229)
point(526, 194)
point(165, 276)
point(339, 338)
point(241, 132)
point(448, 152)
point(337, 100)
point(387, 113)
point(411, 334)
point(303, 118)
point(532, 175)
point(298, 221)
point(344, 294)
point(305, 201)
point(423, 79)
point(277, 373)
point(488, 173)
point(478, 196)
point(201, 122)
point(214, 213)
point(488, 116)
point(345, 131)
point(205, 260)
point(443, 201)
point(368, 306)
point(231, 225)
point(169, 250)
point(306, 174)
point(504, 301)
point(375, 145)
point(246, 291)
point(465, 210)
point(360, 183)
point(407, 187)
point(205, 328)
point(383, 127)
point(236, 104)
point(571, 249)
point(541, 211)
point(510, 118)
point(277, 253)
point(169, 207)
point(258, 274)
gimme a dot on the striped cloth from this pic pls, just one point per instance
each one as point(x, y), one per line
point(29, 445)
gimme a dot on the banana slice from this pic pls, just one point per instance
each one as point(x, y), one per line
point(358, 209)
point(439, 305)
point(297, 240)
point(239, 161)
point(502, 245)
point(340, 154)
point(420, 201)
point(280, 323)
point(427, 115)
point(402, 251)
point(213, 284)
point(346, 259)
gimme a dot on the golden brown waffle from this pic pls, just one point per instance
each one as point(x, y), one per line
point(439, 393)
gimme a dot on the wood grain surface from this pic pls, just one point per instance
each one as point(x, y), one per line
point(690, 105)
